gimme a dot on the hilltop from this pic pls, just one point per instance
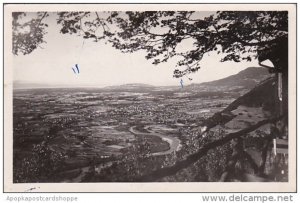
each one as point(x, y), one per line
point(247, 78)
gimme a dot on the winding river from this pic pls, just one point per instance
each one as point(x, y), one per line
point(173, 142)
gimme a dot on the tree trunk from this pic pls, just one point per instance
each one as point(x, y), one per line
point(279, 57)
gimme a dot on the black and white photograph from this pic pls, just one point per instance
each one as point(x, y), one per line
point(150, 94)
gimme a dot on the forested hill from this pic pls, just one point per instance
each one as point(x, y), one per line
point(247, 78)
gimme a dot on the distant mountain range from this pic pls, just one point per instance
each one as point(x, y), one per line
point(131, 86)
point(26, 85)
point(247, 78)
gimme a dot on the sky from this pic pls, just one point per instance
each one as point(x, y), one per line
point(102, 65)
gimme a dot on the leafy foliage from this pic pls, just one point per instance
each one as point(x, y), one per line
point(236, 35)
point(27, 34)
point(40, 165)
point(135, 161)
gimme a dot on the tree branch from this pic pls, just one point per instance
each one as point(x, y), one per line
point(154, 34)
point(262, 43)
point(40, 21)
